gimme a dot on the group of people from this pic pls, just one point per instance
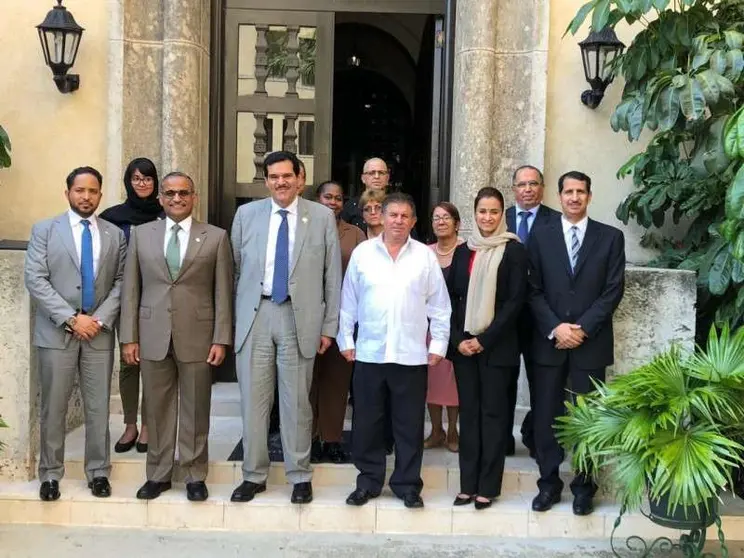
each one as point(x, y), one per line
point(316, 298)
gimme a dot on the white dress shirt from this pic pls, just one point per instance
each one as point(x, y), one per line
point(568, 236)
point(274, 223)
point(77, 237)
point(395, 302)
point(532, 217)
point(183, 235)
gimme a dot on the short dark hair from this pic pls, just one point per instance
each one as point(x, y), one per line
point(322, 186)
point(488, 192)
point(146, 168)
point(178, 174)
point(83, 170)
point(575, 175)
point(538, 171)
point(399, 197)
point(450, 208)
point(278, 157)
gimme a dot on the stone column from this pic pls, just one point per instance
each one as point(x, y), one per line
point(185, 86)
point(500, 87)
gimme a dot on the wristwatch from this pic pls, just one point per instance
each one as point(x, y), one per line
point(70, 324)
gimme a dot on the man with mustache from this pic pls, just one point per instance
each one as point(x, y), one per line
point(288, 283)
point(577, 279)
point(73, 272)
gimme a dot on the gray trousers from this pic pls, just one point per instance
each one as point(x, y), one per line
point(270, 354)
point(57, 371)
point(179, 400)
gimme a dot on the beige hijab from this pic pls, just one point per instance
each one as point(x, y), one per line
point(480, 307)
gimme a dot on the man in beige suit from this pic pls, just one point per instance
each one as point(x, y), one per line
point(176, 321)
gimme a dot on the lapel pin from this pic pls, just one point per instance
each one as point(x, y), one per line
point(304, 219)
point(198, 239)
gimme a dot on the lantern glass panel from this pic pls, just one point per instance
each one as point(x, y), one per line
point(607, 55)
point(590, 63)
point(55, 44)
point(71, 45)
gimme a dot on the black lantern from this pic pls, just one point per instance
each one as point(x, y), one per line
point(598, 51)
point(60, 39)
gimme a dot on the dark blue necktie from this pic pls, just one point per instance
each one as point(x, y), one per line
point(524, 230)
point(86, 268)
point(279, 289)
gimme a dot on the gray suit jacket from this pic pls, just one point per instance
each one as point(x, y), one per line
point(314, 272)
point(194, 310)
point(52, 274)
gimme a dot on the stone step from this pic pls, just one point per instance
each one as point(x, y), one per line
point(271, 511)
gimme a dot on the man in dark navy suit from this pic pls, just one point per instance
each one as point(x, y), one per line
point(525, 216)
point(577, 279)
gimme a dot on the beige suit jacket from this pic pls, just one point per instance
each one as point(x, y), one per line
point(194, 310)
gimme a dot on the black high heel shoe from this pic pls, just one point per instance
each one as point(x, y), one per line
point(120, 447)
point(481, 505)
point(462, 500)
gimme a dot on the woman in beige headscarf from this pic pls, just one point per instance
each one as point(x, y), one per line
point(487, 285)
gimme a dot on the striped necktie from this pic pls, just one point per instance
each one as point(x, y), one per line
point(575, 247)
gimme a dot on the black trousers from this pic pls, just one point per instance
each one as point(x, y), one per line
point(405, 388)
point(550, 385)
point(485, 423)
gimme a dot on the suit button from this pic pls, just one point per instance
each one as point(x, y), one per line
point(78, 287)
point(255, 309)
point(261, 283)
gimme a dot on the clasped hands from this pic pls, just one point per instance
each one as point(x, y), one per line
point(568, 336)
point(86, 327)
point(470, 347)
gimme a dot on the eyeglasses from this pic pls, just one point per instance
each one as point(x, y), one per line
point(141, 179)
point(531, 184)
point(441, 219)
point(171, 194)
point(372, 209)
point(376, 173)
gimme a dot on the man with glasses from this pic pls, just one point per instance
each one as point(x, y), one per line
point(375, 176)
point(176, 322)
point(527, 215)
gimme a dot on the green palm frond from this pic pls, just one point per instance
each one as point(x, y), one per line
point(722, 360)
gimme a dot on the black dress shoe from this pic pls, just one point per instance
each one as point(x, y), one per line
point(316, 451)
point(100, 487)
point(141, 448)
point(246, 491)
point(510, 446)
point(462, 501)
point(120, 447)
point(582, 505)
point(152, 489)
point(49, 491)
point(412, 500)
point(302, 493)
point(196, 491)
point(480, 505)
point(360, 497)
point(335, 453)
point(545, 500)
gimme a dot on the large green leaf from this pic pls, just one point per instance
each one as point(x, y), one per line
point(692, 100)
point(734, 39)
point(579, 18)
point(701, 58)
point(731, 135)
point(709, 84)
point(738, 249)
point(660, 4)
point(734, 64)
point(735, 196)
point(719, 276)
point(635, 120)
point(718, 61)
point(601, 15)
point(667, 108)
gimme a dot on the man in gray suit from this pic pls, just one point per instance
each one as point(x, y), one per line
point(73, 272)
point(288, 286)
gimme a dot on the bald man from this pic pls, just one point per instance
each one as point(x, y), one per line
point(375, 176)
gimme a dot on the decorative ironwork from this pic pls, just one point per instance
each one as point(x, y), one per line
point(293, 60)
point(290, 134)
point(690, 545)
point(259, 145)
point(262, 59)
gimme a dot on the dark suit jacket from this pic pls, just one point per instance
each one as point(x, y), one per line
point(499, 340)
point(526, 324)
point(588, 297)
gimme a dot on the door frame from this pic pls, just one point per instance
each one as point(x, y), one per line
point(216, 192)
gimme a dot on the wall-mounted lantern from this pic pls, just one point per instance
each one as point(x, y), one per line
point(60, 38)
point(598, 51)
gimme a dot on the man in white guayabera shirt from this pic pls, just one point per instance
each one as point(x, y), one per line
point(394, 290)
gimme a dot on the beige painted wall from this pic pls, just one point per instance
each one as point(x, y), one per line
point(51, 132)
point(579, 138)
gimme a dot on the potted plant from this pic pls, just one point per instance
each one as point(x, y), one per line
point(666, 431)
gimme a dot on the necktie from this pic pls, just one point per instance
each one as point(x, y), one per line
point(524, 230)
point(173, 253)
point(575, 246)
point(86, 268)
point(279, 288)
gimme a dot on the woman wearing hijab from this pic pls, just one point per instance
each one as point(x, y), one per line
point(141, 206)
point(487, 285)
